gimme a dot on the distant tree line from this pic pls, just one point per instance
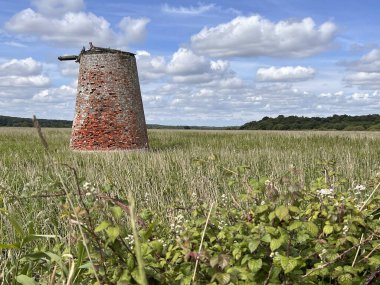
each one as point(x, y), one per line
point(6, 121)
point(335, 122)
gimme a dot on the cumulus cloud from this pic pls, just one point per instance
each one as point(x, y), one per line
point(72, 29)
point(364, 80)
point(22, 73)
point(285, 73)
point(189, 11)
point(257, 36)
point(54, 95)
point(17, 67)
point(369, 62)
point(187, 67)
point(150, 67)
point(360, 96)
point(364, 72)
point(24, 81)
point(185, 62)
point(57, 7)
point(134, 29)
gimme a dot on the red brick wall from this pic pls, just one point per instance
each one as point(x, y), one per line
point(109, 109)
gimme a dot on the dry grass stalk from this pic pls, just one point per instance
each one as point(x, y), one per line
point(39, 131)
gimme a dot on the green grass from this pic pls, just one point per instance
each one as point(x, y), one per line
point(178, 164)
point(166, 174)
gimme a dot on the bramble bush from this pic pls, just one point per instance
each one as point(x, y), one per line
point(260, 231)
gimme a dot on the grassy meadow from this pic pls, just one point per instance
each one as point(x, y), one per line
point(179, 167)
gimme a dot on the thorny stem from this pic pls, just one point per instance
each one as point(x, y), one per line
point(140, 260)
point(373, 277)
point(80, 227)
point(269, 274)
point(339, 257)
point(201, 244)
point(369, 198)
point(88, 216)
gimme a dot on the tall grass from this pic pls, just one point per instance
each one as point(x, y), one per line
point(168, 174)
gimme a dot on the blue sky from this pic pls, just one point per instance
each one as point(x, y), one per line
point(200, 63)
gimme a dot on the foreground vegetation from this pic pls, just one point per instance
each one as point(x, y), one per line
point(210, 208)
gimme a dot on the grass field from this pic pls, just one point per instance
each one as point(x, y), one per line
point(179, 166)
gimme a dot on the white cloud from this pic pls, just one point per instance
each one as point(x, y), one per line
point(58, 94)
point(185, 62)
point(257, 36)
point(360, 96)
point(69, 69)
point(364, 80)
point(22, 73)
point(72, 29)
point(24, 81)
point(285, 73)
point(150, 67)
point(330, 94)
point(15, 44)
point(364, 73)
point(188, 68)
point(369, 62)
point(134, 29)
point(57, 7)
point(190, 11)
point(17, 67)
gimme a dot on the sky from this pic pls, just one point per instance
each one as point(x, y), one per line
point(217, 63)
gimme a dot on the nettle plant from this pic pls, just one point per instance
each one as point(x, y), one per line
point(276, 231)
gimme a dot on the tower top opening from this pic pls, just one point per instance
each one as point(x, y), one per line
point(94, 50)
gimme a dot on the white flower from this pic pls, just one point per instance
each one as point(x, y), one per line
point(325, 192)
point(87, 185)
point(345, 229)
point(360, 187)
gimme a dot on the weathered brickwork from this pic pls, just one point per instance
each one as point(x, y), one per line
point(109, 109)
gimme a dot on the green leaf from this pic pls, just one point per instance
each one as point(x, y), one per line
point(266, 238)
point(282, 212)
point(117, 212)
point(328, 229)
point(276, 243)
point(374, 260)
point(223, 278)
point(113, 233)
point(8, 245)
point(311, 228)
point(255, 264)
point(294, 225)
point(262, 208)
point(103, 225)
point(214, 261)
point(236, 253)
point(294, 209)
point(288, 264)
point(156, 246)
point(253, 245)
point(345, 279)
point(18, 229)
point(223, 261)
point(26, 280)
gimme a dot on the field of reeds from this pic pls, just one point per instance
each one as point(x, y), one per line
point(200, 207)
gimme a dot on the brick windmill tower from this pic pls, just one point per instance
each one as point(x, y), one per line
point(109, 113)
